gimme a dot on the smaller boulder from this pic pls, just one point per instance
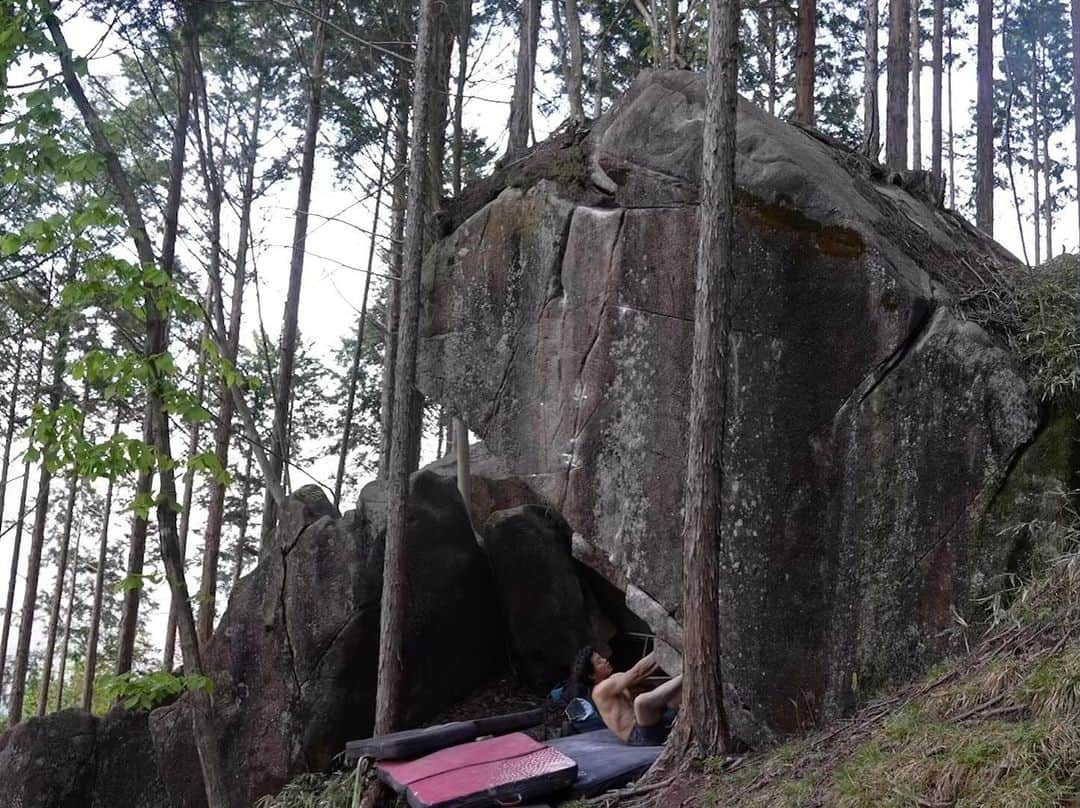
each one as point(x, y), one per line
point(546, 606)
point(49, 762)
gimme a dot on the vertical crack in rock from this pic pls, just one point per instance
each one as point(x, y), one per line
point(923, 315)
point(601, 315)
point(289, 649)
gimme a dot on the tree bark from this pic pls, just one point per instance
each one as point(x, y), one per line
point(984, 121)
point(524, 77)
point(16, 544)
point(806, 36)
point(67, 622)
point(464, 36)
point(952, 142)
point(575, 69)
point(1036, 159)
point(899, 69)
point(354, 370)
point(129, 612)
point(702, 726)
point(223, 430)
point(37, 536)
point(99, 597)
point(871, 125)
point(204, 731)
point(241, 539)
point(397, 236)
point(395, 584)
point(58, 595)
point(12, 422)
point(1075, 10)
point(935, 112)
point(279, 455)
point(916, 87)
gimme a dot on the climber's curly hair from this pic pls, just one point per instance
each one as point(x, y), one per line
point(581, 674)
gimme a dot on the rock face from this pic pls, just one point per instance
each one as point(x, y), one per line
point(294, 657)
point(71, 759)
point(547, 608)
point(871, 422)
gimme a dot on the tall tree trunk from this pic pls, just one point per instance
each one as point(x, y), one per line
point(935, 113)
point(598, 95)
point(1036, 164)
point(204, 730)
point(899, 69)
point(871, 125)
point(702, 726)
point(395, 585)
point(1075, 9)
point(99, 598)
point(805, 41)
point(1011, 82)
point(1048, 202)
point(12, 421)
point(289, 329)
point(575, 72)
point(397, 237)
point(16, 544)
point(37, 538)
point(67, 622)
point(129, 611)
point(58, 595)
point(984, 120)
point(215, 512)
point(952, 142)
point(771, 46)
point(194, 431)
point(464, 36)
point(524, 77)
point(916, 87)
point(354, 370)
point(241, 539)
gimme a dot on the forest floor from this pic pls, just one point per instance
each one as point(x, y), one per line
point(998, 726)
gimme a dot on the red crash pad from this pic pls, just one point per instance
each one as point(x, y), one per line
point(505, 770)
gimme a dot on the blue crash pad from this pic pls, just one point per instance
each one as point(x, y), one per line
point(604, 761)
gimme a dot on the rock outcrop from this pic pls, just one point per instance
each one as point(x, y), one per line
point(871, 420)
point(294, 657)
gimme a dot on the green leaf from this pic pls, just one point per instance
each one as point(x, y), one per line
point(10, 243)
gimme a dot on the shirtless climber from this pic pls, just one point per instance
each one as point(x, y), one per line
point(635, 716)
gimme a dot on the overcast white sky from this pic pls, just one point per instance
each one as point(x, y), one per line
point(333, 282)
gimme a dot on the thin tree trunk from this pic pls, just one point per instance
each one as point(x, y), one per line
point(702, 726)
point(99, 597)
point(16, 545)
point(1005, 59)
point(129, 612)
point(194, 431)
point(279, 455)
point(984, 120)
point(12, 423)
point(204, 730)
point(1075, 9)
point(575, 72)
point(952, 142)
point(1036, 207)
point(241, 539)
point(899, 70)
point(58, 595)
point(916, 87)
point(223, 430)
point(395, 584)
point(871, 125)
point(37, 536)
point(67, 622)
point(521, 103)
point(354, 370)
point(464, 36)
point(771, 45)
point(806, 36)
point(1048, 202)
point(397, 231)
point(935, 113)
point(598, 97)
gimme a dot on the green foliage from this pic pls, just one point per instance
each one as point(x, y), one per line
point(147, 691)
point(333, 790)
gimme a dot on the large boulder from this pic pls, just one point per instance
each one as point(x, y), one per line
point(294, 657)
point(72, 759)
point(871, 418)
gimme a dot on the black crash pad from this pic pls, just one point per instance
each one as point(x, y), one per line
point(604, 760)
point(414, 743)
